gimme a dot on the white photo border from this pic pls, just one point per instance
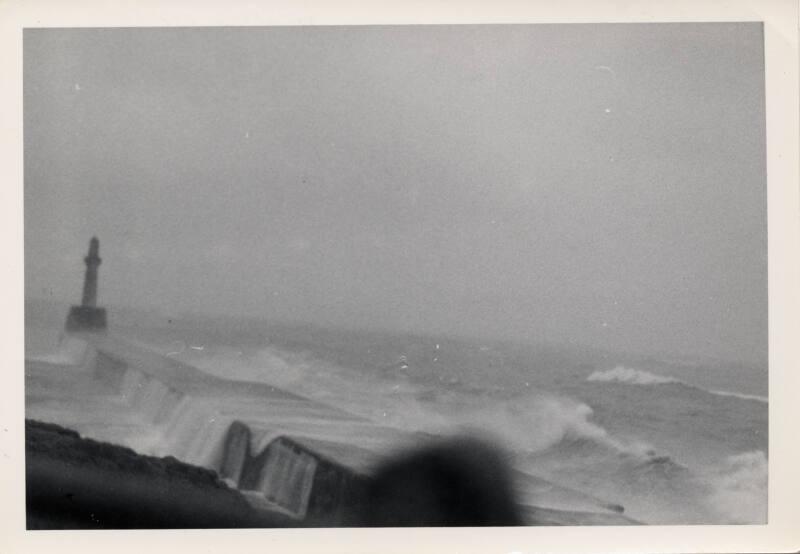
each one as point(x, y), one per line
point(780, 534)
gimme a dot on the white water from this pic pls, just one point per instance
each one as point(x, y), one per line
point(625, 468)
point(632, 376)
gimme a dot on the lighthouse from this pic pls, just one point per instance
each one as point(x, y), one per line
point(87, 316)
point(92, 262)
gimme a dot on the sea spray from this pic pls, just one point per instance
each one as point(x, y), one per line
point(739, 488)
point(71, 351)
point(536, 422)
point(375, 397)
point(631, 376)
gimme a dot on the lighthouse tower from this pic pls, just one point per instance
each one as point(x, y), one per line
point(87, 316)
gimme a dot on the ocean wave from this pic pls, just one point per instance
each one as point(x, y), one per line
point(631, 376)
point(743, 396)
point(560, 425)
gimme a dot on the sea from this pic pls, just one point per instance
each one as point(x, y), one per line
point(673, 439)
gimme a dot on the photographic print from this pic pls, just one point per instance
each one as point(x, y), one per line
point(395, 275)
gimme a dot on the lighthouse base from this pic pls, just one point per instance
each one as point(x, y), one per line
point(85, 318)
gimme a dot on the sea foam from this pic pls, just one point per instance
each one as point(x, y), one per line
point(739, 488)
point(70, 352)
point(631, 376)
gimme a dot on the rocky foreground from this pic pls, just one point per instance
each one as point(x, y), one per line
point(78, 483)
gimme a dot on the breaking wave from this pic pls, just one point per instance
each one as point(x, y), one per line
point(743, 396)
point(631, 376)
point(537, 423)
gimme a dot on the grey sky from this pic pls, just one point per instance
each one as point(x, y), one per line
point(599, 183)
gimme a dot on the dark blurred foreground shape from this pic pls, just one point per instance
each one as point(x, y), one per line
point(77, 483)
point(460, 482)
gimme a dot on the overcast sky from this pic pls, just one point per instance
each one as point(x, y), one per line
point(597, 183)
